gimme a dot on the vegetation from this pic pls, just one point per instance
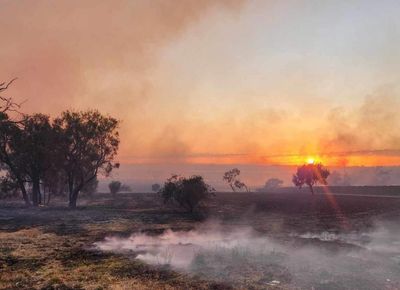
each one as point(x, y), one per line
point(188, 193)
point(231, 177)
point(310, 174)
point(68, 152)
point(155, 187)
point(271, 184)
point(115, 187)
point(91, 187)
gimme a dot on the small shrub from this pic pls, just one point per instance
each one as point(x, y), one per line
point(188, 193)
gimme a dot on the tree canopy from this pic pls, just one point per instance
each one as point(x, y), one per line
point(310, 174)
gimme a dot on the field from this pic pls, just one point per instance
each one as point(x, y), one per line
point(261, 241)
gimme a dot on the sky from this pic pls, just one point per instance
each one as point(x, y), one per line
point(216, 82)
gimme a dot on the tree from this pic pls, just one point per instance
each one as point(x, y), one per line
point(8, 187)
point(88, 143)
point(9, 158)
point(155, 187)
point(310, 174)
point(36, 150)
point(188, 193)
point(231, 177)
point(272, 183)
point(10, 155)
point(115, 187)
point(6, 103)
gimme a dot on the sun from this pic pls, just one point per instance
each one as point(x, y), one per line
point(310, 160)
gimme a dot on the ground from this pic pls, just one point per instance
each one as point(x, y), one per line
point(52, 247)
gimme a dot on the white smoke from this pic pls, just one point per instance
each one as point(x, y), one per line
point(367, 260)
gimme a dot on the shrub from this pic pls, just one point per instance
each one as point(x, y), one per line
point(188, 193)
point(115, 187)
point(155, 187)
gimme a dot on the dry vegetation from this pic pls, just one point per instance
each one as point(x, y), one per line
point(52, 248)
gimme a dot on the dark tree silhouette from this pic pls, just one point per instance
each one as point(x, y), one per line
point(9, 128)
point(310, 174)
point(35, 145)
point(88, 143)
point(10, 156)
point(155, 187)
point(272, 183)
point(6, 103)
point(188, 193)
point(231, 177)
point(91, 187)
point(115, 187)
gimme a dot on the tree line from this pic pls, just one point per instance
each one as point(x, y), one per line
point(57, 155)
point(65, 154)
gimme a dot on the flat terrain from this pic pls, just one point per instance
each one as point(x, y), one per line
point(53, 247)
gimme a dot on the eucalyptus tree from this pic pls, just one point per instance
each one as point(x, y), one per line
point(88, 145)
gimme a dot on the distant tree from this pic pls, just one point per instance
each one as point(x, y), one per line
point(310, 174)
point(231, 177)
point(89, 143)
point(155, 187)
point(272, 183)
point(115, 187)
point(188, 193)
point(125, 188)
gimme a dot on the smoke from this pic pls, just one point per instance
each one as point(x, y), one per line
point(355, 260)
point(80, 54)
point(375, 124)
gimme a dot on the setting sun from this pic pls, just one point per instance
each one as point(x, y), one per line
point(310, 160)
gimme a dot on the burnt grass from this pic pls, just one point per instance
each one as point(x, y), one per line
point(52, 247)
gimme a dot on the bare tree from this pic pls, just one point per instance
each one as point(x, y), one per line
point(231, 177)
point(6, 103)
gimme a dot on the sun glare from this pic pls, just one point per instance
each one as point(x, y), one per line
point(310, 160)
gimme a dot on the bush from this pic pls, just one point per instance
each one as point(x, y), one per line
point(188, 193)
point(115, 187)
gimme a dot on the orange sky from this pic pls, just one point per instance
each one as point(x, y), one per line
point(266, 82)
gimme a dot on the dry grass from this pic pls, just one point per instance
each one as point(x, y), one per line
point(51, 248)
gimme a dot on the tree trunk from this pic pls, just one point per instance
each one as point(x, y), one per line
point(35, 192)
point(74, 196)
point(72, 202)
point(311, 189)
point(24, 193)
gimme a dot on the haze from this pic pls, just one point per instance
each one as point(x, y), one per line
point(216, 82)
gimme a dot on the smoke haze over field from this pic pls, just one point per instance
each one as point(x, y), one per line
point(265, 82)
point(357, 260)
point(141, 176)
